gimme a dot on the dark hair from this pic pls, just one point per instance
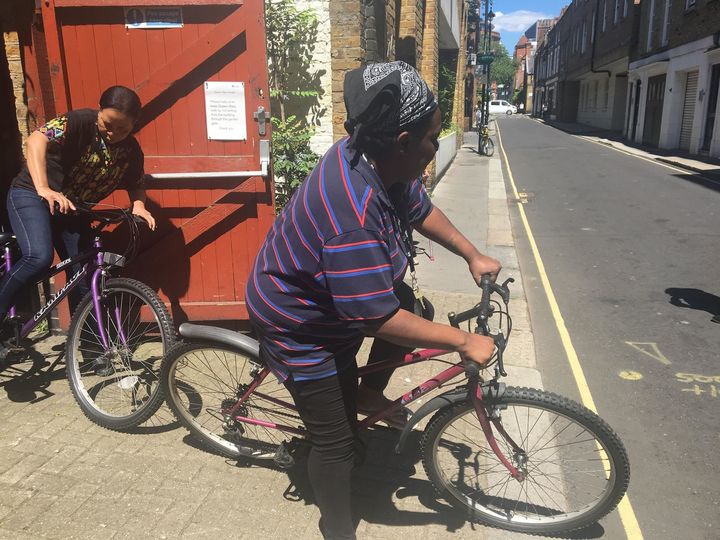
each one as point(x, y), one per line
point(122, 99)
point(378, 126)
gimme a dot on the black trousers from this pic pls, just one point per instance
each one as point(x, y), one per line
point(329, 411)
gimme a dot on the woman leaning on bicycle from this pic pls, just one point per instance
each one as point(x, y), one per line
point(331, 272)
point(84, 155)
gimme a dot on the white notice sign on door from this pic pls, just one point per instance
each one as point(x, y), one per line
point(225, 111)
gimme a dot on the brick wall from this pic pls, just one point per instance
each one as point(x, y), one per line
point(410, 32)
point(685, 26)
point(428, 66)
point(347, 24)
point(15, 17)
point(459, 101)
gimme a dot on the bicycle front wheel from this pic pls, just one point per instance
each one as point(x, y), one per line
point(118, 386)
point(203, 382)
point(575, 466)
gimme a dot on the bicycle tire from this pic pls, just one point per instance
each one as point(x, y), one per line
point(200, 380)
point(489, 147)
point(483, 487)
point(119, 389)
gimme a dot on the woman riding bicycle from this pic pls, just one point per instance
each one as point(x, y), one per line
point(330, 273)
point(84, 155)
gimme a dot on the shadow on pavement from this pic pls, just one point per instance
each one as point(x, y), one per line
point(24, 378)
point(702, 179)
point(382, 479)
point(695, 299)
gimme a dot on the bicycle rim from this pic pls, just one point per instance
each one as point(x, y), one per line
point(489, 147)
point(203, 382)
point(576, 468)
point(118, 387)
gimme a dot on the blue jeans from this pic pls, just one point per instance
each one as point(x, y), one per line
point(37, 233)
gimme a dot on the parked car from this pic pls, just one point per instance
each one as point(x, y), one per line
point(500, 106)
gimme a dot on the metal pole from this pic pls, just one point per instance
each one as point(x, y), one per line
point(488, 49)
point(486, 80)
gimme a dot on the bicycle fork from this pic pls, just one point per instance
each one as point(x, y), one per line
point(496, 390)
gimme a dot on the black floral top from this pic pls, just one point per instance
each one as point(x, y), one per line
point(82, 166)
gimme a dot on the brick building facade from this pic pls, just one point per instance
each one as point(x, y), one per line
point(423, 33)
point(16, 122)
point(583, 63)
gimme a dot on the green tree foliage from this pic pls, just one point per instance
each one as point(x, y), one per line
point(292, 158)
point(446, 94)
point(473, 10)
point(290, 37)
point(503, 67)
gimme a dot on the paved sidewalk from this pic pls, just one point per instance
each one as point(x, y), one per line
point(63, 477)
point(705, 167)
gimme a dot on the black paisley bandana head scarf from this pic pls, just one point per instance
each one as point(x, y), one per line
point(384, 99)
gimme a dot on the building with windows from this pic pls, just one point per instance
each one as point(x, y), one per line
point(674, 76)
point(524, 57)
point(584, 63)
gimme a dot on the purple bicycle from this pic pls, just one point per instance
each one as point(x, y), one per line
point(118, 333)
point(516, 458)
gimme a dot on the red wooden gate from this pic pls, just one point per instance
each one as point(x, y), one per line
point(213, 197)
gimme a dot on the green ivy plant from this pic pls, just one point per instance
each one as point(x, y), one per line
point(293, 160)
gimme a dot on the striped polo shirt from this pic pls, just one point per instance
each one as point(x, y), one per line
point(328, 267)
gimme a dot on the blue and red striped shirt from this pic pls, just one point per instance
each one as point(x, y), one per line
point(328, 267)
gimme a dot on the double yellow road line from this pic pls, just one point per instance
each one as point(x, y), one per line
point(627, 514)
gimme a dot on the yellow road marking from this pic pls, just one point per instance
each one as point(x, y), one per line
point(630, 375)
point(627, 515)
point(654, 352)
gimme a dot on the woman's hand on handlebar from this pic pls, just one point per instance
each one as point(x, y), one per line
point(477, 348)
point(482, 264)
point(56, 200)
point(142, 212)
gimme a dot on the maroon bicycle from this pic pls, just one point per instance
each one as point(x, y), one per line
point(516, 458)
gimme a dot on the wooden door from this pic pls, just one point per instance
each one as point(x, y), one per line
point(653, 110)
point(212, 201)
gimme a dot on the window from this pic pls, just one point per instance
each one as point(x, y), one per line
point(584, 38)
point(604, 15)
point(666, 22)
point(592, 30)
point(625, 8)
point(616, 14)
point(648, 44)
point(689, 4)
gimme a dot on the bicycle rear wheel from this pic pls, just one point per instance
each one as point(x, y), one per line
point(202, 381)
point(576, 468)
point(488, 147)
point(119, 387)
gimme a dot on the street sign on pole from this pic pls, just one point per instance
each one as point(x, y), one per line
point(485, 58)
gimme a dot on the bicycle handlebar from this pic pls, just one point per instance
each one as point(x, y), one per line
point(483, 311)
point(108, 216)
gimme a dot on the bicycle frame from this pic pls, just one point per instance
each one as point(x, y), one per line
point(414, 394)
point(87, 257)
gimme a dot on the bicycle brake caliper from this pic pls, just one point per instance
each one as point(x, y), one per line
point(493, 392)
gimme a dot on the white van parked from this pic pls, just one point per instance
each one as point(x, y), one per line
point(500, 106)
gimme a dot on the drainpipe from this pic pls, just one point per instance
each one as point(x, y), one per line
point(597, 34)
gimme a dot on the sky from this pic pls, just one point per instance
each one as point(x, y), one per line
point(513, 17)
